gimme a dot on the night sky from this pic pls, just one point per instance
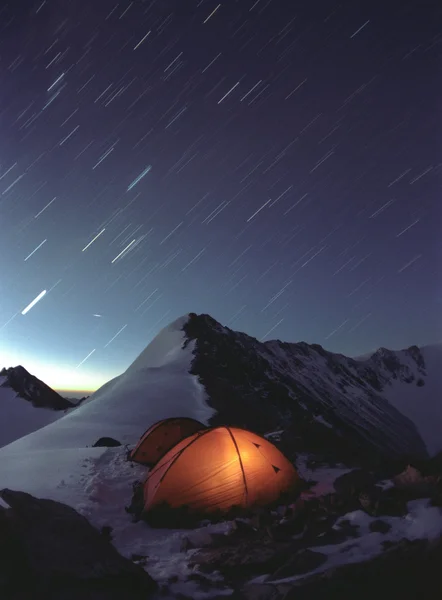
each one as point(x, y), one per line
point(274, 163)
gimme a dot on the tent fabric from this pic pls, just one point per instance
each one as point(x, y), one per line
point(218, 469)
point(161, 437)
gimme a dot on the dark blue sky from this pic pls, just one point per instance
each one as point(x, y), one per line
point(273, 163)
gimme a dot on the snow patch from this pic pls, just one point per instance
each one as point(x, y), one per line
point(323, 476)
point(18, 416)
point(422, 522)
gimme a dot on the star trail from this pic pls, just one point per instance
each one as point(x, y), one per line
point(276, 164)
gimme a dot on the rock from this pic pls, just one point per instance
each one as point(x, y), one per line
point(414, 483)
point(352, 483)
point(379, 526)
point(436, 496)
point(261, 519)
point(370, 500)
point(410, 476)
point(260, 591)
point(302, 562)
point(54, 553)
point(197, 539)
point(393, 503)
point(243, 526)
point(278, 533)
point(294, 525)
point(244, 559)
point(409, 570)
point(106, 531)
point(106, 442)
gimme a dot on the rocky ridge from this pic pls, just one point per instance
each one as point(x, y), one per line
point(325, 402)
point(33, 390)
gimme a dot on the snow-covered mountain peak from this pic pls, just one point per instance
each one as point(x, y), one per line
point(32, 389)
point(26, 404)
point(401, 363)
point(164, 349)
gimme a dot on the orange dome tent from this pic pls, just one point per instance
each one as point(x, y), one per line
point(217, 469)
point(161, 437)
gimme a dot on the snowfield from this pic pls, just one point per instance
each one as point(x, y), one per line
point(18, 417)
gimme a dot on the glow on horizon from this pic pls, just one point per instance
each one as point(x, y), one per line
point(63, 377)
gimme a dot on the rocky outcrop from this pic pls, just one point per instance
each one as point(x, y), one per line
point(30, 388)
point(106, 442)
point(50, 551)
point(407, 570)
point(325, 402)
point(288, 543)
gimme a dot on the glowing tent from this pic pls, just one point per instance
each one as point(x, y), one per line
point(218, 469)
point(161, 437)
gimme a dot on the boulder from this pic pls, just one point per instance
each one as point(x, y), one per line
point(379, 526)
point(391, 502)
point(300, 563)
point(106, 442)
point(202, 539)
point(241, 527)
point(260, 591)
point(414, 483)
point(243, 559)
point(436, 496)
point(352, 483)
point(52, 552)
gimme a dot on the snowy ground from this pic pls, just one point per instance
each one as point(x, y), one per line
point(323, 476)
point(422, 522)
point(156, 386)
point(18, 417)
point(97, 482)
point(58, 462)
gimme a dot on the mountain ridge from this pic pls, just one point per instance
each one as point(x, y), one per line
point(303, 383)
point(325, 402)
point(32, 389)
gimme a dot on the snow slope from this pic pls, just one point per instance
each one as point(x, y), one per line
point(18, 417)
point(55, 462)
point(422, 405)
point(156, 386)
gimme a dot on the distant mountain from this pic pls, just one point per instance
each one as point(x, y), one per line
point(26, 404)
point(323, 401)
point(31, 388)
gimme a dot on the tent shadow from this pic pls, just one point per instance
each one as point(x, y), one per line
point(163, 516)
